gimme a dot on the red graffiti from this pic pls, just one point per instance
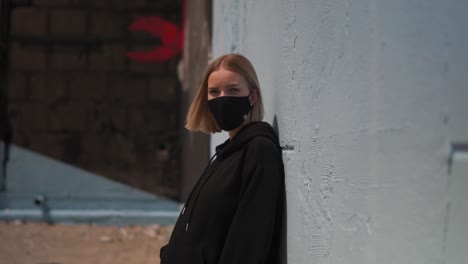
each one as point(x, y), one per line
point(170, 34)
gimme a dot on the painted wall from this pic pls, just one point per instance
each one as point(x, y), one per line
point(370, 96)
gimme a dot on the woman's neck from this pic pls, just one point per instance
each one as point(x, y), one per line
point(233, 132)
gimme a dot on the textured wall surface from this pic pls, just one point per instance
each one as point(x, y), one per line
point(370, 96)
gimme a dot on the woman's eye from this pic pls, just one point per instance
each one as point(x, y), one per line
point(234, 90)
point(213, 92)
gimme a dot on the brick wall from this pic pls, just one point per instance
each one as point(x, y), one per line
point(76, 97)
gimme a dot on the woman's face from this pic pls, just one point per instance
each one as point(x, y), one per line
point(224, 82)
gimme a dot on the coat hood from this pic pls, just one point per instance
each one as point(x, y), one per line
point(240, 140)
point(245, 135)
point(241, 191)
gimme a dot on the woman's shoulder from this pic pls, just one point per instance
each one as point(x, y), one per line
point(261, 133)
point(263, 141)
point(264, 155)
point(262, 146)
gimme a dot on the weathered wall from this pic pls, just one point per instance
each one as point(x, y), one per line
point(197, 49)
point(370, 95)
point(75, 96)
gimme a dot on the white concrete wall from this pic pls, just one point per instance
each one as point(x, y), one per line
point(369, 95)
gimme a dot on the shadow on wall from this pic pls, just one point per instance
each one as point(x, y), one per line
point(283, 256)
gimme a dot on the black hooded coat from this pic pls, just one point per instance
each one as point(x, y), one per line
point(234, 213)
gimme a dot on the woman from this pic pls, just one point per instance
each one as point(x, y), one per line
point(234, 212)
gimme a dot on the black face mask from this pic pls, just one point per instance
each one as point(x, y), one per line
point(230, 111)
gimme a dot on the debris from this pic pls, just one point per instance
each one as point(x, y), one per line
point(106, 239)
point(152, 230)
point(17, 222)
point(126, 234)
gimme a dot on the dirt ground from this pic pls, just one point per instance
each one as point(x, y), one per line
point(39, 243)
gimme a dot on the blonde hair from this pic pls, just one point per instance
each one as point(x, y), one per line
point(199, 117)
